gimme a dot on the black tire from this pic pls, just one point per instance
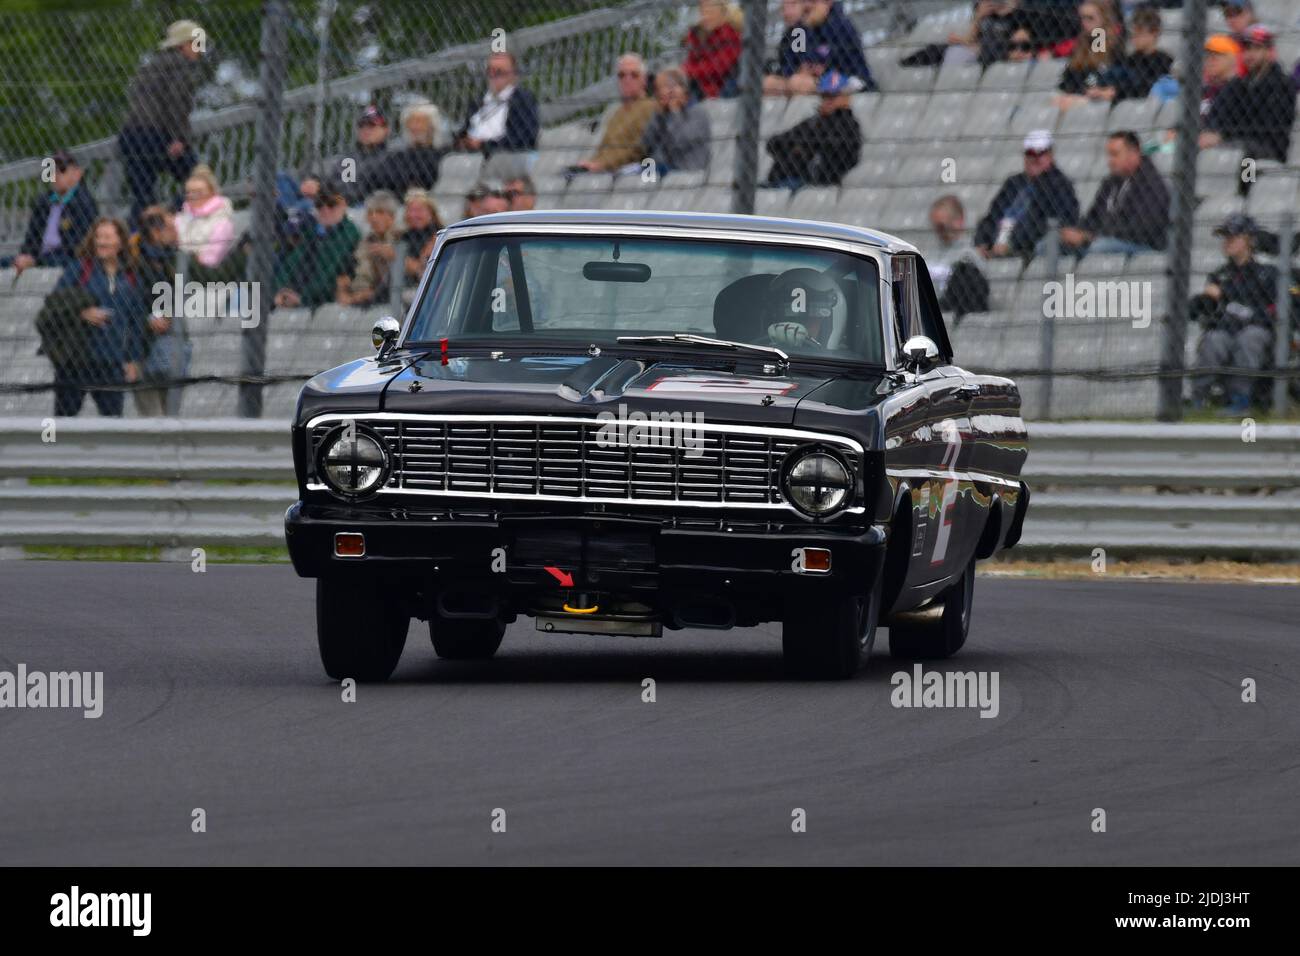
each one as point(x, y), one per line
point(360, 633)
point(829, 641)
point(945, 634)
point(465, 639)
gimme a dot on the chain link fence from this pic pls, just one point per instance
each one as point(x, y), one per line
point(1105, 193)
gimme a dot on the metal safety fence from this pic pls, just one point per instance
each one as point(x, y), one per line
point(219, 201)
point(1130, 489)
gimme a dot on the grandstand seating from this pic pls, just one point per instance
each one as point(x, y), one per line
point(919, 118)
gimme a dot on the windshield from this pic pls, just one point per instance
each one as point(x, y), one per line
point(589, 291)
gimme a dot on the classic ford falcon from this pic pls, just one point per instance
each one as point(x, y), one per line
point(619, 422)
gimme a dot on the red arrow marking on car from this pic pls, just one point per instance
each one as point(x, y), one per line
point(564, 577)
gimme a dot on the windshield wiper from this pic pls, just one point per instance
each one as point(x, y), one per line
point(783, 360)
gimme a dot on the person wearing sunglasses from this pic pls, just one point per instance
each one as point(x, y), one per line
point(621, 142)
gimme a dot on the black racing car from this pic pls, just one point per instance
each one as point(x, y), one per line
point(618, 422)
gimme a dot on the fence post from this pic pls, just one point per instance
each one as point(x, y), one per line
point(261, 264)
point(1282, 338)
point(1178, 270)
point(324, 14)
point(751, 106)
point(1047, 331)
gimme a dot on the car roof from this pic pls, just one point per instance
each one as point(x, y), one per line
point(652, 219)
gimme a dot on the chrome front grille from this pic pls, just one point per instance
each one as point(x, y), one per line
point(570, 459)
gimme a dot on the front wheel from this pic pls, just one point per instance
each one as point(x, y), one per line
point(941, 633)
point(360, 633)
point(828, 641)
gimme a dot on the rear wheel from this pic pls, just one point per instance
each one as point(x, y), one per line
point(465, 639)
point(360, 632)
point(829, 641)
point(941, 634)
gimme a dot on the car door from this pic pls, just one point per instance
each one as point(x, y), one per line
point(942, 505)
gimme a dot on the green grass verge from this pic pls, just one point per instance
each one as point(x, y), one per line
point(217, 555)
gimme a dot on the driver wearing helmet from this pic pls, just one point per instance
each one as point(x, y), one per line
point(801, 308)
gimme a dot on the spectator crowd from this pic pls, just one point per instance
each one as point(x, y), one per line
point(99, 335)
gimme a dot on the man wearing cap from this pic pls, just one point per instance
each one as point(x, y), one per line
point(484, 198)
point(1256, 110)
point(369, 156)
point(1222, 66)
point(315, 270)
point(60, 218)
point(1238, 315)
point(1017, 219)
point(156, 134)
point(821, 149)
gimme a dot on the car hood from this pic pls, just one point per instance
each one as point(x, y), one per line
point(585, 385)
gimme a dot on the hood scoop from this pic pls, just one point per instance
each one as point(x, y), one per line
point(600, 380)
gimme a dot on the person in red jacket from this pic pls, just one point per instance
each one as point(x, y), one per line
point(713, 48)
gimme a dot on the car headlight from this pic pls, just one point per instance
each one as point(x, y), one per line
point(352, 461)
point(818, 483)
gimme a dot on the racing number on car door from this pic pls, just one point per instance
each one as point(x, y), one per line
point(951, 432)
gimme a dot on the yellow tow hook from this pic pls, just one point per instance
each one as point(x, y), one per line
point(581, 610)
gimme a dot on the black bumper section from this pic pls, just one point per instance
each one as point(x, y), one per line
point(609, 554)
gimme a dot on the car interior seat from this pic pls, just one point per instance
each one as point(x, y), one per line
point(739, 312)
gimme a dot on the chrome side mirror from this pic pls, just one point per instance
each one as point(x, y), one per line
point(919, 353)
point(384, 334)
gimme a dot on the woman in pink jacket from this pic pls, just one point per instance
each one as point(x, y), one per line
point(205, 224)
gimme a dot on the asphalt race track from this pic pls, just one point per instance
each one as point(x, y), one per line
point(1118, 695)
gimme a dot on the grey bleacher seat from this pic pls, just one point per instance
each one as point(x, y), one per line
point(218, 353)
point(280, 399)
point(862, 205)
point(872, 170)
point(722, 162)
point(904, 79)
point(975, 198)
point(1273, 195)
point(932, 29)
point(22, 404)
point(1045, 76)
point(771, 202)
point(714, 199)
point(1085, 120)
point(684, 179)
point(632, 201)
point(1077, 160)
point(798, 109)
point(772, 116)
point(635, 183)
point(1218, 164)
point(1100, 265)
point(1005, 76)
point(723, 114)
point(459, 171)
point(586, 198)
point(38, 280)
point(1003, 269)
point(20, 309)
point(897, 123)
point(336, 317)
point(1141, 116)
point(909, 210)
point(1163, 162)
point(1146, 265)
point(945, 113)
point(925, 164)
point(1030, 117)
point(1214, 209)
point(575, 135)
point(820, 203)
point(670, 198)
point(988, 113)
point(957, 76)
point(553, 162)
point(864, 106)
point(1001, 294)
point(1086, 190)
point(449, 205)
